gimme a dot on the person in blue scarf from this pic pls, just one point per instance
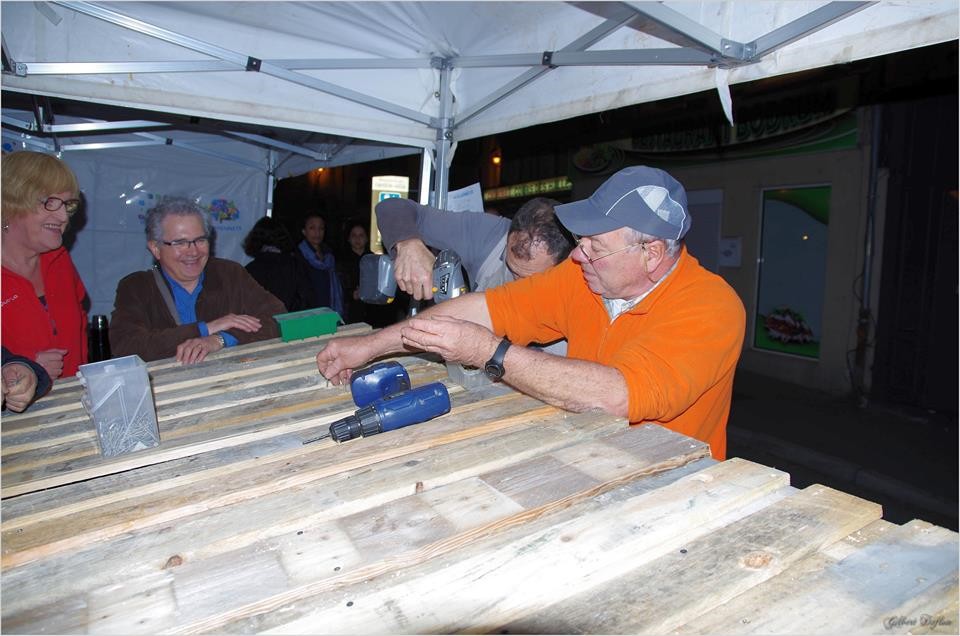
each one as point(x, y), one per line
point(319, 257)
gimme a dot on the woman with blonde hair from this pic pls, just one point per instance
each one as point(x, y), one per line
point(43, 317)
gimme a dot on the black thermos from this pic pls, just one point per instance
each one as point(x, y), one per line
point(99, 339)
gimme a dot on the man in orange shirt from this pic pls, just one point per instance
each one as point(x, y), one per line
point(653, 336)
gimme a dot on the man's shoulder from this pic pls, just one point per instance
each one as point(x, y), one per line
point(137, 278)
point(224, 266)
point(703, 286)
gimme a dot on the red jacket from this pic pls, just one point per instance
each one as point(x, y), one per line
point(27, 328)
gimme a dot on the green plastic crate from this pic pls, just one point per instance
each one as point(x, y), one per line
point(308, 323)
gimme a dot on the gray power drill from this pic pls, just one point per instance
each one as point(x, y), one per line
point(378, 286)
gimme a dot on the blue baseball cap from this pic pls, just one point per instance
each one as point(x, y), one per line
point(646, 199)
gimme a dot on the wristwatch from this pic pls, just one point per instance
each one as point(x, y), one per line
point(494, 366)
point(223, 343)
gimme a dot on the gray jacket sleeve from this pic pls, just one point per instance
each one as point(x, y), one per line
point(472, 235)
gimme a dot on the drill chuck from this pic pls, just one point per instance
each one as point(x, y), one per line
point(363, 423)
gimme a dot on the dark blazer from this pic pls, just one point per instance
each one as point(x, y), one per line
point(142, 324)
point(286, 277)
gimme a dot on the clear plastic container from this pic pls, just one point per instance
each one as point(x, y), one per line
point(118, 398)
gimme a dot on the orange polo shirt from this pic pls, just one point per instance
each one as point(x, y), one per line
point(677, 349)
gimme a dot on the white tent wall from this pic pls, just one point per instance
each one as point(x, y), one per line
point(112, 242)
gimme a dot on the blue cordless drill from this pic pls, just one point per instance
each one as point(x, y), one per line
point(387, 403)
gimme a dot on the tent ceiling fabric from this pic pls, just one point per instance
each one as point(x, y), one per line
point(372, 70)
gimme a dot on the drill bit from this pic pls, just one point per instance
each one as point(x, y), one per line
point(317, 439)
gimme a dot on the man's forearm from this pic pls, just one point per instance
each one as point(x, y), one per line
point(574, 385)
point(472, 307)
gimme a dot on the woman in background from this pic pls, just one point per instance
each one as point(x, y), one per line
point(276, 268)
point(348, 267)
point(322, 264)
point(43, 317)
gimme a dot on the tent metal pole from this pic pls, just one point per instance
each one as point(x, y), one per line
point(426, 167)
point(271, 180)
point(209, 66)
point(444, 134)
point(201, 151)
point(273, 143)
point(804, 26)
point(612, 57)
point(679, 23)
point(122, 68)
point(98, 126)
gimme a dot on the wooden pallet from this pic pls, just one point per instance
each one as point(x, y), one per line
point(504, 516)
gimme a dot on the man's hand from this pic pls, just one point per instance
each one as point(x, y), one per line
point(196, 349)
point(243, 322)
point(341, 356)
point(455, 340)
point(19, 385)
point(413, 268)
point(52, 361)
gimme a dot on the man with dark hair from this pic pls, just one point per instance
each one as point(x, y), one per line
point(494, 250)
point(653, 336)
point(190, 304)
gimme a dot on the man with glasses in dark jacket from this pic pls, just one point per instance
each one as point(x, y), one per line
point(190, 304)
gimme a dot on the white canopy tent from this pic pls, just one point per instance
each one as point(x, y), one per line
point(426, 74)
point(283, 87)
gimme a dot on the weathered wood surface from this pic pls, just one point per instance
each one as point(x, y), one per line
point(504, 516)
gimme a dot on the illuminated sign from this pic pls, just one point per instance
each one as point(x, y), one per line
point(529, 189)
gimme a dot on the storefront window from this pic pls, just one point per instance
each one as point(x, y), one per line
point(792, 271)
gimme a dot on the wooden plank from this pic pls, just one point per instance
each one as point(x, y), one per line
point(860, 585)
point(56, 476)
point(262, 350)
point(47, 467)
point(69, 616)
point(534, 552)
point(74, 429)
point(672, 590)
point(275, 529)
point(945, 619)
point(312, 463)
point(671, 451)
point(77, 429)
point(71, 498)
point(196, 383)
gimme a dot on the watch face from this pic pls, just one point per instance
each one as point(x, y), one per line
point(493, 371)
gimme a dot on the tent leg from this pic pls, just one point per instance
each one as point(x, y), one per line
point(426, 168)
point(271, 180)
point(444, 135)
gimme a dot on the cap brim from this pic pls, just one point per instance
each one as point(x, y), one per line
point(584, 219)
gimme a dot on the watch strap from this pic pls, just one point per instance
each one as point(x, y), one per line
point(501, 352)
point(494, 366)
